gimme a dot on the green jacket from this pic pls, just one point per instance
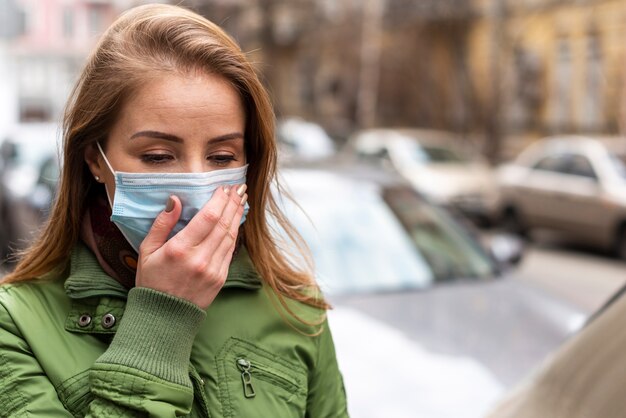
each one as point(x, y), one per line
point(82, 345)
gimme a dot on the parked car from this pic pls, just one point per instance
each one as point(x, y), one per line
point(299, 139)
point(30, 155)
point(382, 233)
point(575, 186)
point(426, 322)
point(582, 379)
point(441, 165)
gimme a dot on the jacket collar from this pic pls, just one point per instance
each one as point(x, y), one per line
point(86, 278)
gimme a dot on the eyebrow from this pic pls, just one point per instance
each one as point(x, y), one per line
point(174, 138)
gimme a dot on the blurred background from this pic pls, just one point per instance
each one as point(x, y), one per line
point(461, 163)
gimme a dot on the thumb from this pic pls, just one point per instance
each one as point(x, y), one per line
point(162, 226)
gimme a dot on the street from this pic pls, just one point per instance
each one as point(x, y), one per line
point(580, 276)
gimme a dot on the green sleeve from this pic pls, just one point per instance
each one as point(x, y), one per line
point(25, 390)
point(145, 370)
point(327, 396)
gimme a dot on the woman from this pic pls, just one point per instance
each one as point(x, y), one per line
point(140, 298)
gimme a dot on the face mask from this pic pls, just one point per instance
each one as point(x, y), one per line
point(140, 197)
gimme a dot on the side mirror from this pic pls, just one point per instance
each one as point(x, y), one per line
point(507, 250)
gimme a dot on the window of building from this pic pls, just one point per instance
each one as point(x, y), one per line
point(68, 23)
point(95, 17)
point(562, 85)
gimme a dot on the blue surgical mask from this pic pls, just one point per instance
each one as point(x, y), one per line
point(140, 197)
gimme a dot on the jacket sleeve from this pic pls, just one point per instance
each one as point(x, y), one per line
point(25, 390)
point(327, 395)
point(145, 370)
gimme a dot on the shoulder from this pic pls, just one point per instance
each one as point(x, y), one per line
point(26, 291)
point(32, 299)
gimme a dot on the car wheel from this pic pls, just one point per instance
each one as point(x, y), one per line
point(512, 223)
point(620, 243)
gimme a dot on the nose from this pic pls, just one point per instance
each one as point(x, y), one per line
point(195, 165)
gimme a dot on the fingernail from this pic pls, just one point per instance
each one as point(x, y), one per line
point(241, 189)
point(244, 199)
point(226, 189)
point(169, 206)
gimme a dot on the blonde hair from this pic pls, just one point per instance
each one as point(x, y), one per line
point(144, 43)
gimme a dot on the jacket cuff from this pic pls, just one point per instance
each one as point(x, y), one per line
point(155, 335)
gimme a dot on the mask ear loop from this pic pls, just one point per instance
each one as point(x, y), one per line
point(106, 160)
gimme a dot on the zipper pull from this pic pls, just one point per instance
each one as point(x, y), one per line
point(246, 377)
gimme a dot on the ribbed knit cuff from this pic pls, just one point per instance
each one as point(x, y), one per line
point(155, 335)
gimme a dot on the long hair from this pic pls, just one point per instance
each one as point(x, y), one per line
point(144, 43)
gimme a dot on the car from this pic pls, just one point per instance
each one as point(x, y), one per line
point(574, 186)
point(441, 165)
point(299, 139)
point(426, 320)
point(29, 176)
point(582, 378)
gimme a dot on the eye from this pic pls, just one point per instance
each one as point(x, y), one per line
point(156, 158)
point(221, 160)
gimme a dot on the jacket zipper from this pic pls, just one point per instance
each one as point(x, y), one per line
point(246, 377)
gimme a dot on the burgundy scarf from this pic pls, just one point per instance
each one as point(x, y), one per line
point(115, 255)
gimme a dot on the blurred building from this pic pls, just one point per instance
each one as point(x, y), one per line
point(499, 69)
point(548, 66)
point(43, 45)
point(357, 63)
point(502, 69)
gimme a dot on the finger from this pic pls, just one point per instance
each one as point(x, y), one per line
point(203, 222)
point(162, 226)
point(230, 211)
point(221, 243)
point(223, 229)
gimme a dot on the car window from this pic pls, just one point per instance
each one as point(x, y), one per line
point(413, 151)
point(441, 155)
point(449, 250)
point(555, 163)
point(579, 165)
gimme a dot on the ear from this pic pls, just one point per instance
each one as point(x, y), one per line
point(95, 162)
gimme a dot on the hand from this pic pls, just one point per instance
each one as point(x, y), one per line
point(194, 263)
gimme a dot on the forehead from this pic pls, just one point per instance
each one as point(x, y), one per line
point(195, 107)
point(193, 95)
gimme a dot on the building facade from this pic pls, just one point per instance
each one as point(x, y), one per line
point(549, 66)
point(44, 50)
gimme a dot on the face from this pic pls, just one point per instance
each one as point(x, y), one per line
point(177, 124)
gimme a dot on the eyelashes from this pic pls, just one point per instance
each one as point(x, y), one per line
point(156, 158)
point(219, 160)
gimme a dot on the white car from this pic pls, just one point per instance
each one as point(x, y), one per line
point(303, 140)
point(575, 186)
point(440, 165)
point(422, 327)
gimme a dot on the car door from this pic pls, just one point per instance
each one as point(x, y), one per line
point(537, 195)
point(580, 201)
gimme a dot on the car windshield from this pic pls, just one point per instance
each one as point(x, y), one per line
point(449, 250)
point(363, 241)
point(429, 154)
